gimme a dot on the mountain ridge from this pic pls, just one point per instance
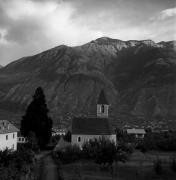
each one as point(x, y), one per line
point(146, 41)
point(132, 73)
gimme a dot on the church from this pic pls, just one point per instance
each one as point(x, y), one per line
point(86, 128)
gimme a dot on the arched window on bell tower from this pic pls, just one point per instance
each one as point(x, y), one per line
point(102, 106)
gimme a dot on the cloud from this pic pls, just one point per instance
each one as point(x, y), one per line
point(30, 26)
point(168, 13)
point(3, 33)
point(165, 14)
point(163, 24)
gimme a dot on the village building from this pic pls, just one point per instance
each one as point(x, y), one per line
point(87, 128)
point(21, 139)
point(56, 131)
point(137, 133)
point(8, 135)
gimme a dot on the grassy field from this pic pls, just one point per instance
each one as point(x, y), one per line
point(139, 167)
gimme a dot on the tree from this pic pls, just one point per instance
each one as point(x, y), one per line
point(67, 137)
point(105, 152)
point(32, 142)
point(36, 119)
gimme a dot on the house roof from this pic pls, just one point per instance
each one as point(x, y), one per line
point(7, 127)
point(135, 131)
point(102, 98)
point(91, 126)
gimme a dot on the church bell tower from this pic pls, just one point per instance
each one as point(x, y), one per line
point(102, 106)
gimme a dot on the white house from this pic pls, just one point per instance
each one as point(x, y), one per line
point(86, 128)
point(8, 135)
point(137, 133)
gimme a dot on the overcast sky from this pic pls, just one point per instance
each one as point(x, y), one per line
point(28, 27)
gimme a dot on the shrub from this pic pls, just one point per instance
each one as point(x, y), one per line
point(67, 137)
point(14, 164)
point(32, 142)
point(158, 167)
point(105, 152)
point(159, 141)
point(55, 139)
point(68, 154)
point(173, 165)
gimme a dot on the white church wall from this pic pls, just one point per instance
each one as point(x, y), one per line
point(85, 138)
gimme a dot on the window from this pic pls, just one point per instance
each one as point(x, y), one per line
point(6, 137)
point(102, 108)
point(13, 136)
point(79, 139)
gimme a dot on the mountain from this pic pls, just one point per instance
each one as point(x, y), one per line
point(1, 66)
point(139, 78)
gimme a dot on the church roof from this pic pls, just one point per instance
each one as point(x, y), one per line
point(102, 98)
point(7, 127)
point(91, 126)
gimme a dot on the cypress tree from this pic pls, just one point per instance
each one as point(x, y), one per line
point(36, 119)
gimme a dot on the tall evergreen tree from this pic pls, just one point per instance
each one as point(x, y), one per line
point(36, 119)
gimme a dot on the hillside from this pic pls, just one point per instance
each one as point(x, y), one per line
point(139, 78)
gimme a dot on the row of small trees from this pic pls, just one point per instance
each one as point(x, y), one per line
point(102, 151)
point(158, 141)
point(164, 141)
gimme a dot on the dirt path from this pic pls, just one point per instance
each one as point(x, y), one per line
point(48, 168)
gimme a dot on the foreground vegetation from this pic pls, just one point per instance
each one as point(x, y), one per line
point(16, 165)
point(163, 141)
point(139, 167)
point(101, 151)
point(102, 159)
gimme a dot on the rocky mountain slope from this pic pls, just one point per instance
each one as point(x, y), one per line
point(139, 78)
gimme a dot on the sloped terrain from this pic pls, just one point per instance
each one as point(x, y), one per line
point(138, 77)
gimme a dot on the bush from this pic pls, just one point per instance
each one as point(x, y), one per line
point(164, 141)
point(105, 152)
point(158, 167)
point(14, 164)
point(102, 151)
point(55, 139)
point(68, 154)
point(32, 142)
point(67, 137)
point(173, 165)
